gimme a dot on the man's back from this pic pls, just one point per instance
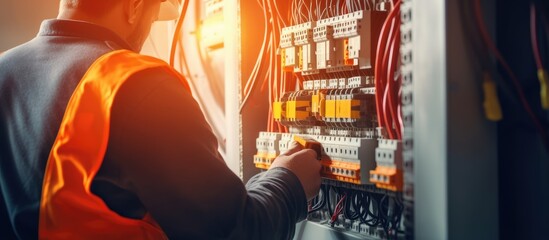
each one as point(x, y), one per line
point(161, 158)
point(37, 80)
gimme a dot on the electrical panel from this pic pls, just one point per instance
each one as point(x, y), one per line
point(329, 93)
point(331, 74)
point(340, 73)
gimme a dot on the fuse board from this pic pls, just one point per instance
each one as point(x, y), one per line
point(331, 90)
point(341, 73)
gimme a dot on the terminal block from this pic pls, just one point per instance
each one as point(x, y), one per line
point(336, 107)
point(345, 159)
point(307, 48)
point(341, 43)
point(348, 159)
point(294, 109)
point(388, 173)
point(349, 108)
point(267, 145)
point(349, 40)
point(323, 36)
point(288, 52)
point(298, 50)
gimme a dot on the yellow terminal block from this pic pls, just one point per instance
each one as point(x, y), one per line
point(263, 161)
point(345, 109)
point(278, 112)
point(297, 110)
point(291, 109)
point(315, 103)
point(318, 103)
point(260, 162)
point(330, 109)
point(492, 107)
point(544, 91)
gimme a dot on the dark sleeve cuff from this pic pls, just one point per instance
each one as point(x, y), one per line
point(294, 188)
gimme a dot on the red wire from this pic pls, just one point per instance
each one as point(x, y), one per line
point(389, 68)
point(377, 75)
point(395, 56)
point(391, 60)
point(388, 119)
point(488, 41)
point(386, 114)
point(379, 84)
point(380, 70)
point(338, 209)
point(399, 109)
point(534, 36)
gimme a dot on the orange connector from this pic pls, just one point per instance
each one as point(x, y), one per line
point(341, 170)
point(389, 178)
point(263, 161)
point(309, 144)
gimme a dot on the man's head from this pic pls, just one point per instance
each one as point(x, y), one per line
point(130, 19)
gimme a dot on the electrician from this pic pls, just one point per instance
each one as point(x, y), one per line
point(100, 142)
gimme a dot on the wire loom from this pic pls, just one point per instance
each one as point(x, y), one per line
point(352, 209)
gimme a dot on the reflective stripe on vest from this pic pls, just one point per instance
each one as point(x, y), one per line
point(68, 209)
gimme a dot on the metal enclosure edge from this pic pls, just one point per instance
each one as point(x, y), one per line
point(430, 135)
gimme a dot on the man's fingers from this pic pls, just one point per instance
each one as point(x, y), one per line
point(306, 153)
point(292, 148)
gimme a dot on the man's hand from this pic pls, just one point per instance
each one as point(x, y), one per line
point(304, 164)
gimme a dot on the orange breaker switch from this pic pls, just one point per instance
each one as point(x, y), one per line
point(309, 143)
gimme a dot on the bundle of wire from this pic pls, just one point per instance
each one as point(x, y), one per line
point(372, 209)
point(267, 67)
point(387, 81)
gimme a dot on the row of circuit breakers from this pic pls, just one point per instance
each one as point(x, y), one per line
point(338, 112)
point(342, 43)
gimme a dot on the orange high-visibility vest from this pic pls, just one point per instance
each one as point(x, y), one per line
point(68, 209)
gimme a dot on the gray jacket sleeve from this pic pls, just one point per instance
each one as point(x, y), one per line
point(163, 156)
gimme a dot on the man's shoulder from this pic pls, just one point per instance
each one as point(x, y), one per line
point(137, 66)
point(12, 59)
point(13, 53)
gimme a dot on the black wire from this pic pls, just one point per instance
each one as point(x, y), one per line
point(328, 202)
point(320, 201)
point(391, 223)
point(368, 208)
point(386, 219)
point(374, 221)
point(398, 215)
point(347, 212)
point(399, 210)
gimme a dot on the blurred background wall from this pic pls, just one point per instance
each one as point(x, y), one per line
point(20, 20)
